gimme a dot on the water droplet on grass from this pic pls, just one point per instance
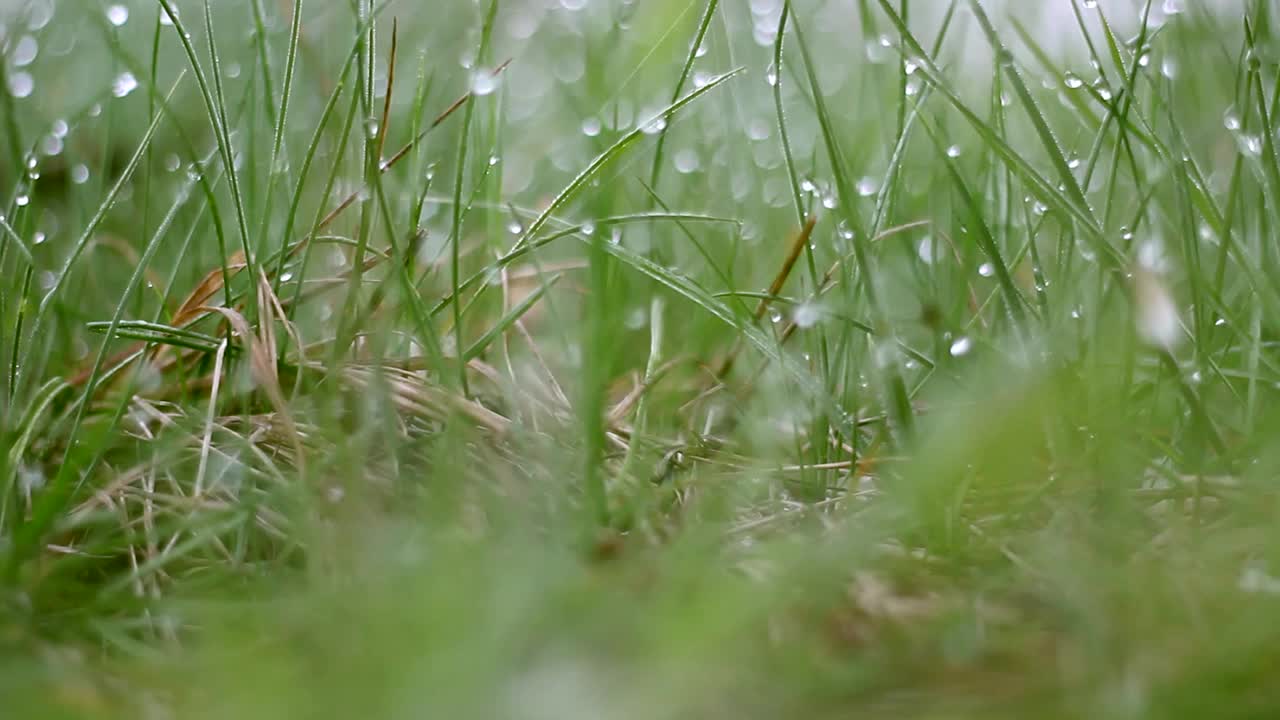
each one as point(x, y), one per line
point(80, 174)
point(961, 346)
point(118, 15)
point(24, 51)
point(927, 249)
point(807, 315)
point(21, 84)
point(1250, 145)
point(1157, 315)
point(986, 269)
point(124, 84)
point(591, 127)
point(484, 83)
point(39, 14)
point(687, 161)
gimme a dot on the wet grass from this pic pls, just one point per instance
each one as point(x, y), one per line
point(623, 360)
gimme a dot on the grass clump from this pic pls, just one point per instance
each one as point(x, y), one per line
point(620, 359)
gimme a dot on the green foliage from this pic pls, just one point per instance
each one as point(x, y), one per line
point(676, 360)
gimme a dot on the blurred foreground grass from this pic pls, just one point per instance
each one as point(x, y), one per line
point(691, 360)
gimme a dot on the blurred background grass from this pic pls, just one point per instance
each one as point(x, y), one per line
point(999, 444)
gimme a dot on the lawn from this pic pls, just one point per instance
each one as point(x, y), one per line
point(623, 359)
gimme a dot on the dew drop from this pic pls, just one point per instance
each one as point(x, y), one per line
point(22, 200)
point(927, 250)
point(483, 82)
point(867, 187)
point(1073, 81)
point(961, 346)
point(687, 161)
point(655, 126)
point(986, 269)
point(39, 14)
point(124, 84)
point(637, 318)
point(21, 84)
point(1250, 145)
point(80, 174)
point(591, 127)
point(118, 15)
point(953, 151)
point(24, 51)
point(807, 315)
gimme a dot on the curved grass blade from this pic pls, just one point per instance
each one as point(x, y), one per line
point(509, 319)
point(153, 332)
point(694, 50)
point(82, 242)
point(613, 151)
